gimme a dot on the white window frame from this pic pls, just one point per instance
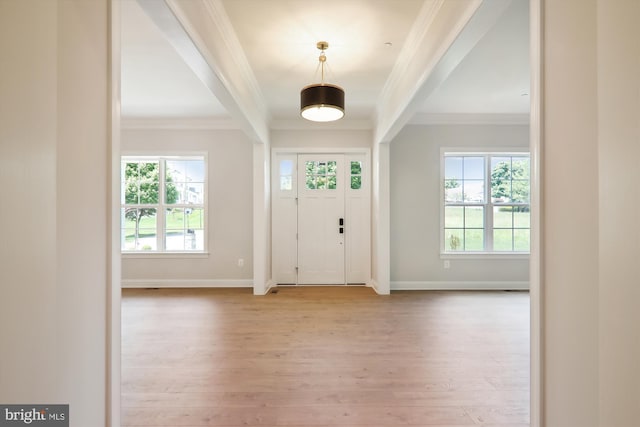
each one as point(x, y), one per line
point(488, 204)
point(162, 206)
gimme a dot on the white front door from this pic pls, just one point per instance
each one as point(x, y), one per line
point(321, 213)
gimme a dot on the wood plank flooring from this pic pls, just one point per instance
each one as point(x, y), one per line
point(324, 356)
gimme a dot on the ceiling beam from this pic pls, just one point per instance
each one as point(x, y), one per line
point(203, 36)
point(442, 36)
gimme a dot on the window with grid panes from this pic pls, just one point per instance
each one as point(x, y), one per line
point(486, 203)
point(163, 203)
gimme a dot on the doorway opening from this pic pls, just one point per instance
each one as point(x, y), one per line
point(321, 218)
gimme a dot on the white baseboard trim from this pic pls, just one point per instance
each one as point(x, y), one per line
point(460, 285)
point(395, 285)
point(187, 283)
point(270, 285)
point(376, 287)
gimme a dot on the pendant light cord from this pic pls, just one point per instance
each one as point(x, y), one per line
point(322, 58)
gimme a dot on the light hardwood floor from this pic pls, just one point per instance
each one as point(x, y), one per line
point(324, 356)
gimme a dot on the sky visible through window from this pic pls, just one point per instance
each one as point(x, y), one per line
point(469, 171)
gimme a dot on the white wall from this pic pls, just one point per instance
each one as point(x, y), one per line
point(570, 215)
point(591, 240)
point(54, 146)
point(322, 138)
point(415, 209)
point(619, 238)
point(230, 217)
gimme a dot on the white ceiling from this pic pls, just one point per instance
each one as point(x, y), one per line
point(366, 38)
point(279, 39)
point(494, 77)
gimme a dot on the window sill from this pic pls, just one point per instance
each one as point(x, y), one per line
point(485, 255)
point(164, 255)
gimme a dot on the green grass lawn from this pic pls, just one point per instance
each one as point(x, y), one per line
point(176, 220)
point(464, 229)
point(511, 229)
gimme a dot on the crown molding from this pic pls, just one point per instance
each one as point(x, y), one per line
point(180, 123)
point(469, 119)
point(301, 124)
point(227, 123)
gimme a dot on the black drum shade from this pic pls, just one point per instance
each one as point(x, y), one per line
point(322, 102)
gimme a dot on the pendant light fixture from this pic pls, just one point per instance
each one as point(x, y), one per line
point(322, 102)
